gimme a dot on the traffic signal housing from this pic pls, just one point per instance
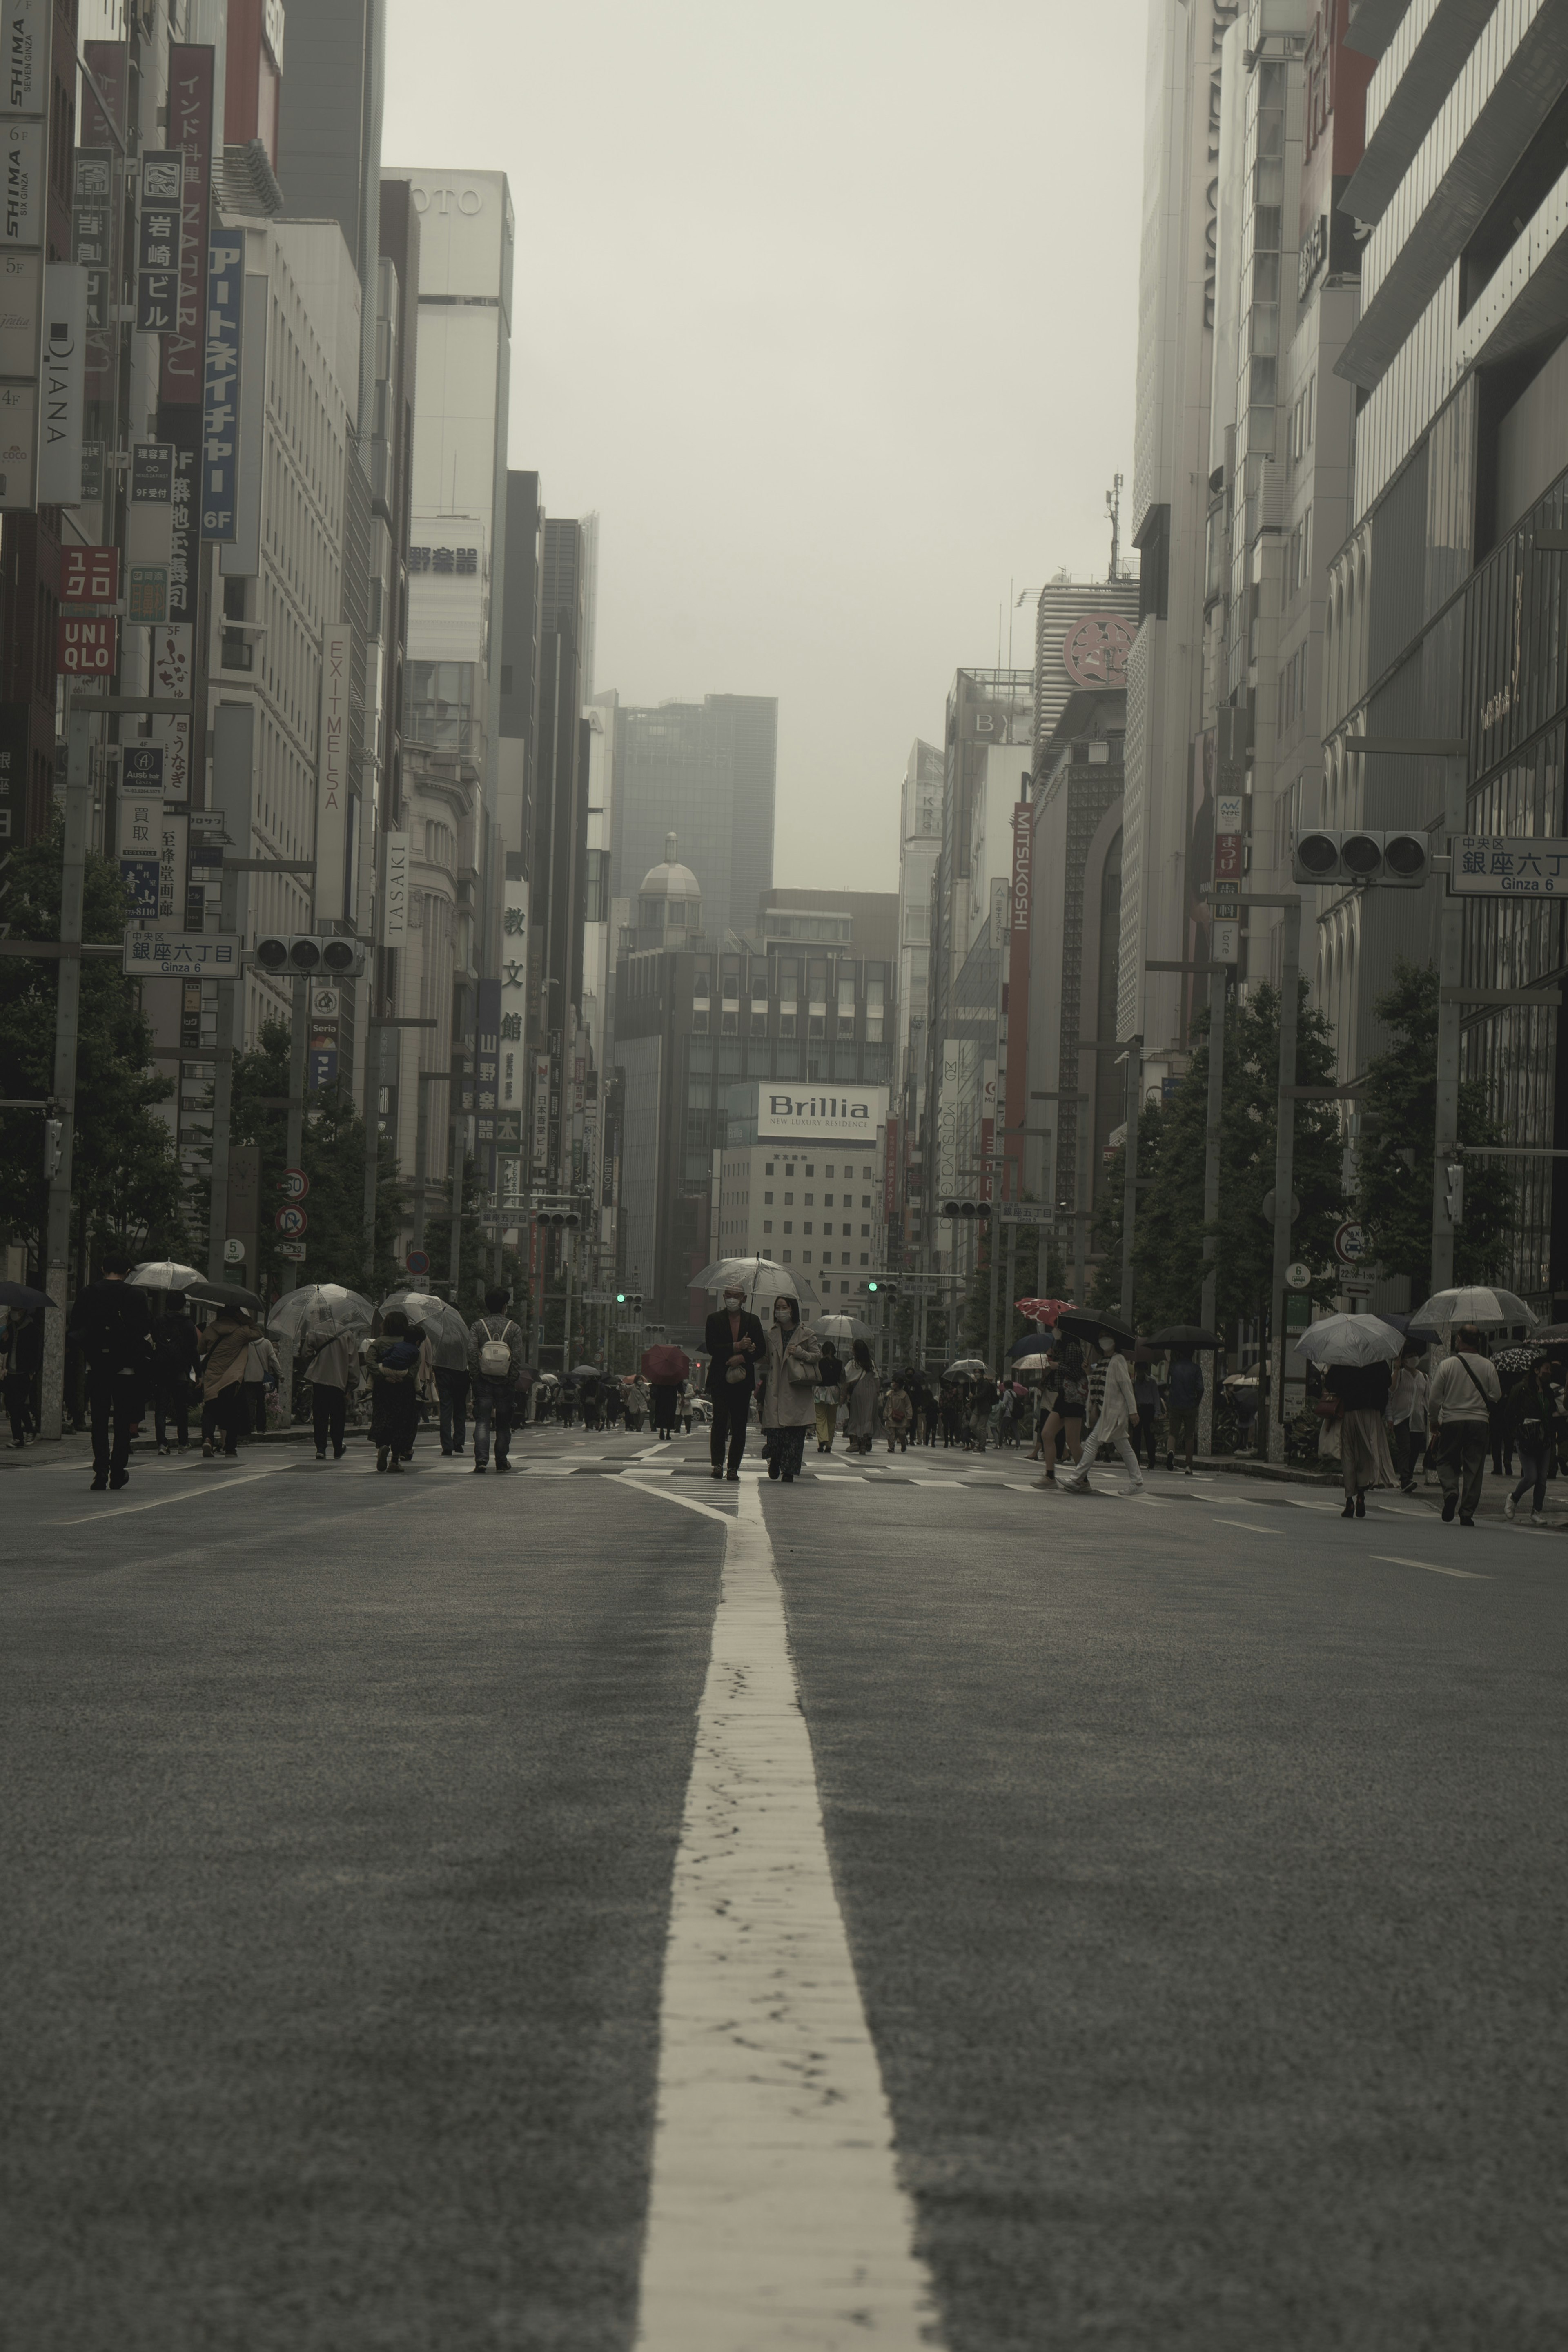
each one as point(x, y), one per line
point(1400, 860)
point(320, 956)
point(971, 1209)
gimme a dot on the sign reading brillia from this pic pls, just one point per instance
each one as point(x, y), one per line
point(826, 1114)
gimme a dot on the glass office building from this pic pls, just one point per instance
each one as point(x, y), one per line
point(706, 771)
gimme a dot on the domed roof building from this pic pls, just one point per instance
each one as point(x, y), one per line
point(669, 902)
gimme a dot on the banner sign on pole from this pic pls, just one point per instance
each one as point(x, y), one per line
point(158, 241)
point(220, 386)
point(190, 129)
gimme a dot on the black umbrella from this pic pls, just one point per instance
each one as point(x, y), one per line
point(1031, 1344)
point(1086, 1323)
point(1416, 1338)
point(223, 1294)
point(1184, 1335)
point(25, 1301)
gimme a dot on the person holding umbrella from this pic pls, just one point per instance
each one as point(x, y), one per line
point(665, 1368)
point(1118, 1414)
point(735, 1344)
point(226, 1354)
point(176, 1368)
point(1463, 1390)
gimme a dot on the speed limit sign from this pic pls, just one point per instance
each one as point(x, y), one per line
point(294, 1183)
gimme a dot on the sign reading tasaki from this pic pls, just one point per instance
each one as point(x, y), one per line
point(825, 1114)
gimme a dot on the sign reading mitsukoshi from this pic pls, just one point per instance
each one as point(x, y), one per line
point(823, 1114)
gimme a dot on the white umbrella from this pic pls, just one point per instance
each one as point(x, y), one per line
point(323, 1310)
point(1035, 1363)
point(964, 1367)
point(1349, 1340)
point(442, 1326)
point(840, 1327)
point(762, 1279)
point(163, 1274)
point(1478, 1304)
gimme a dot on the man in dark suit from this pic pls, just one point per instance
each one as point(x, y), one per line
point(734, 1339)
point(114, 1325)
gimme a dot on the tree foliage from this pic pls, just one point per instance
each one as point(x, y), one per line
point(332, 1154)
point(1393, 1156)
point(1036, 1247)
point(125, 1176)
point(1168, 1263)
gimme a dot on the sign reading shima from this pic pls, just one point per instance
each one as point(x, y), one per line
point(825, 1114)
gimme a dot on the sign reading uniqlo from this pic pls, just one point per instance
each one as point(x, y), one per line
point(86, 648)
point(90, 575)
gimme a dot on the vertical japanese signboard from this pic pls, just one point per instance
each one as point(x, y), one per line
point(24, 103)
point(541, 1115)
point(1018, 917)
point(1228, 860)
point(172, 682)
point(97, 242)
point(159, 230)
point(141, 843)
point(220, 385)
point(332, 773)
point(190, 131)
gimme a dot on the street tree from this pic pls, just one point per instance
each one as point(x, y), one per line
point(1168, 1263)
point(1398, 1132)
point(125, 1176)
point(332, 1157)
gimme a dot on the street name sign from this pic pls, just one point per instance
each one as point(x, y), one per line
point(163, 955)
point(1504, 866)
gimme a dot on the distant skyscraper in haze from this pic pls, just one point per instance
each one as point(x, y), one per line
point(706, 772)
point(328, 137)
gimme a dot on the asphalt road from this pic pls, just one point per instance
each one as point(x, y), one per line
point(1200, 1856)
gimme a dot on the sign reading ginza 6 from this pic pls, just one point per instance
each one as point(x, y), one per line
point(1503, 866)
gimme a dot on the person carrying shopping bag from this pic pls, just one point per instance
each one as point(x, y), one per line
point(793, 1368)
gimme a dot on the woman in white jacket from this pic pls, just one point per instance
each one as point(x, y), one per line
point(1118, 1414)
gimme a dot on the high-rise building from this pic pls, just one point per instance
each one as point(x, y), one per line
point(328, 138)
point(706, 771)
point(1445, 600)
point(1176, 301)
point(451, 965)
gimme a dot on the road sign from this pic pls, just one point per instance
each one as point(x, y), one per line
point(1352, 1244)
point(293, 1251)
point(1025, 1212)
point(598, 1298)
point(1298, 1276)
point(181, 955)
point(1497, 866)
point(294, 1183)
point(418, 1261)
point(234, 1253)
point(291, 1223)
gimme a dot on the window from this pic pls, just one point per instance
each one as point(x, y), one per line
point(789, 1197)
point(699, 1021)
point(865, 1257)
point(813, 1024)
point(865, 1236)
point(788, 1225)
point(729, 1022)
point(810, 1170)
point(828, 1197)
point(768, 1170)
point(843, 1258)
point(811, 1197)
point(767, 1225)
point(805, 1257)
point(759, 1021)
point(789, 1168)
point(786, 1254)
point(865, 1200)
point(828, 1171)
point(767, 1197)
point(806, 1227)
point(787, 1024)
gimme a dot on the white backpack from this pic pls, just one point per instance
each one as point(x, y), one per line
point(495, 1356)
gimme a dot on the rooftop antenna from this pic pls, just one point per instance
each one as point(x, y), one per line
point(1113, 509)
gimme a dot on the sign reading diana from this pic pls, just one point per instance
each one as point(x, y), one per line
point(822, 1114)
point(1496, 865)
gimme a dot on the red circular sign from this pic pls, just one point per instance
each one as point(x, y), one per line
point(1095, 649)
point(292, 1223)
point(294, 1183)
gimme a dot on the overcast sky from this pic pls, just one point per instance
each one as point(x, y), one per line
point(830, 308)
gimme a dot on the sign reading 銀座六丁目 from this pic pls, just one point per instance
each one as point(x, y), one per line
point(1502, 865)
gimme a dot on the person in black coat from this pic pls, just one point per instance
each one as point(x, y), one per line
point(176, 1369)
point(115, 1327)
point(734, 1340)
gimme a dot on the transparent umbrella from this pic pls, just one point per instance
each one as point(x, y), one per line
point(441, 1324)
point(1480, 1303)
point(163, 1274)
point(1349, 1340)
point(762, 1279)
point(840, 1327)
point(320, 1311)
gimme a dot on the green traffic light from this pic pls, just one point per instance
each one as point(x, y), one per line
point(620, 1298)
point(871, 1286)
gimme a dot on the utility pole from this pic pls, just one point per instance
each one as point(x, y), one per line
point(1450, 960)
point(223, 1094)
point(1133, 1057)
point(1284, 1166)
point(298, 1045)
point(1218, 983)
point(459, 1157)
point(67, 1012)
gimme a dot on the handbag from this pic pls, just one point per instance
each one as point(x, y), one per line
point(736, 1373)
point(801, 1369)
point(1327, 1407)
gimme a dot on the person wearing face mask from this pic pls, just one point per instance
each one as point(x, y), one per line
point(794, 1370)
point(735, 1345)
point(1118, 1414)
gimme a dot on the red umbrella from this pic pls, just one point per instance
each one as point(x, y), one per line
point(1041, 1310)
point(664, 1365)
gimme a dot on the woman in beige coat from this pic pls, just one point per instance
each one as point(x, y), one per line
point(789, 1409)
point(225, 1348)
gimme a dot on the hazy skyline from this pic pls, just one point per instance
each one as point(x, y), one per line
point(832, 315)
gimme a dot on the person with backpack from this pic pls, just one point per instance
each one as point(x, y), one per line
point(495, 1364)
point(400, 1372)
point(898, 1412)
point(1464, 1388)
point(176, 1368)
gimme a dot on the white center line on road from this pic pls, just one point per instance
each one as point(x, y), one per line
point(1432, 1567)
point(776, 2221)
point(188, 1495)
point(1251, 1529)
point(1300, 1503)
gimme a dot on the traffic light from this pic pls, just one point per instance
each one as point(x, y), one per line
point(890, 1290)
point(319, 957)
point(1455, 1178)
point(620, 1298)
point(970, 1209)
point(54, 1147)
point(1401, 860)
point(871, 1286)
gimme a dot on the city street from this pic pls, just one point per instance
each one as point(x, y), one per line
point(1191, 1902)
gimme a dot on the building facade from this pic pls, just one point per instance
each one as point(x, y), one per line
point(707, 772)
